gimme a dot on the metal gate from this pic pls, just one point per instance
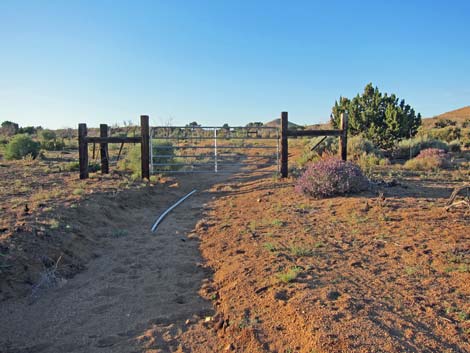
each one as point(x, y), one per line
point(213, 149)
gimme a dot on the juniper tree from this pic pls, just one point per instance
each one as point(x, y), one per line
point(381, 118)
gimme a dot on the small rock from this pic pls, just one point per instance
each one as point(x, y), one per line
point(229, 347)
point(219, 324)
point(355, 264)
point(281, 295)
point(333, 295)
point(202, 225)
point(192, 236)
point(261, 289)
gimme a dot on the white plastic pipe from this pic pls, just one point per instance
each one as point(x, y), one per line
point(157, 222)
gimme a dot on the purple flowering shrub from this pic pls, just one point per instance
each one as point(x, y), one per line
point(432, 152)
point(331, 176)
point(429, 159)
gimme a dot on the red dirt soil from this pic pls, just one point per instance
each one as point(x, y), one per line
point(368, 273)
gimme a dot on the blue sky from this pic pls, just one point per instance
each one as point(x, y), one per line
point(65, 62)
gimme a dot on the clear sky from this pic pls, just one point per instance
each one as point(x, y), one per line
point(65, 62)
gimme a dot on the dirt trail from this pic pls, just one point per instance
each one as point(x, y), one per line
point(136, 293)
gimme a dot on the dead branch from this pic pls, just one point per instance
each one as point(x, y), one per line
point(452, 200)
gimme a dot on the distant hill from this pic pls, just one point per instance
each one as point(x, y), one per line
point(277, 123)
point(458, 115)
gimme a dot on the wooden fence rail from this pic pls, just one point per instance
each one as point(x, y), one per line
point(286, 133)
point(144, 140)
point(104, 139)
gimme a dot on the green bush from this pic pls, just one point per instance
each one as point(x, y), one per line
point(53, 145)
point(21, 146)
point(163, 153)
point(49, 141)
point(411, 147)
point(465, 140)
point(307, 157)
point(132, 161)
point(359, 146)
point(445, 123)
point(367, 163)
point(47, 135)
point(448, 133)
point(75, 167)
point(329, 145)
point(30, 130)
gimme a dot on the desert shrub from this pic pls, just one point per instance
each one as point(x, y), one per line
point(20, 147)
point(307, 157)
point(72, 166)
point(331, 176)
point(163, 153)
point(465, 140)
point(412, 147)
point(454, 146)
point(49, 141)
point(54, 145)
point(367, 163)
point(9, 128)
point(429, 159)
point(30, 130)
point(75, 167)
point(359, 145)
point(444, 123)
point(132, 161)
point(329, 145)
point(448, 133)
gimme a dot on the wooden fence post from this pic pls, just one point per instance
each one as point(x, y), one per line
point(104, 150)
point(284, 145)
point(145, 146)
point(343, 139)
point(83, 151)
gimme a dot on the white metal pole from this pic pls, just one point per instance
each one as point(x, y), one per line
point(151, 151)
point(215, 150)
point(277, 154)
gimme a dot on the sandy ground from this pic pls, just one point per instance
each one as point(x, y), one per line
point(139, 289)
